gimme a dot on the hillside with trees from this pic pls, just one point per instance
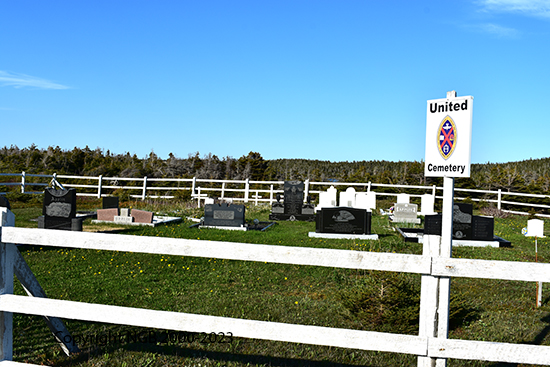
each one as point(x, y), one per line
point(531, 176)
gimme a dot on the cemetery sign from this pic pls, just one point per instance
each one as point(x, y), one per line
point(449, 137)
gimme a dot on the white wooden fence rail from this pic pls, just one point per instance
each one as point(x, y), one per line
point(422, 346)
point(267, 194)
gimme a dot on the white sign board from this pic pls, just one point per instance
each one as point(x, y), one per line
point(449, 137)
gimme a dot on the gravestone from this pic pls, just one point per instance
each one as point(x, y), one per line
point(483, 228)
point(59, 210)
point(403, 198)
point(347, 198)
point(427, 202)
point(366, 200)
point(142, 216)
point(462, 221)
point(125, 217)
point(405, 213)
point(293, 207)
point(327, 199)
point(535, 228)
point(343, 220)
point(465, 225)
point(110, 202)
point(107, 214)
point(224, 215)
point(4, 202)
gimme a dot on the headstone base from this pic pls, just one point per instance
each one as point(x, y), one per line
point(292, 217)
point(417, 235)
point(404, 220)
point(226, 228)
point(343, 236)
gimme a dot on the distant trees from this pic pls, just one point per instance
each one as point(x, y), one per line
point(525, 176)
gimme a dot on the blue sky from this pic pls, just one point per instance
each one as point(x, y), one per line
point(327, 80)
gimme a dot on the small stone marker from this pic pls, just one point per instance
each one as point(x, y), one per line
point(142, 216)
point(124, 212)
point(343, 220)
point(535, 227)
point(224, 215)
point(405, 213)
point(124, 219)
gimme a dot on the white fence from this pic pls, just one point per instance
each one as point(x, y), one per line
point(431, 346)
point(248, 190)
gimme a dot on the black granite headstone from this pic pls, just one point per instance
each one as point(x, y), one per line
point(224, 215)
point(465, 225)
point(4, 202)
point(432, 224)
point(343, 220)
point(293, 207)
point(59, 209)
point(293, 197)
point(483, 228)
point(110, 202)
point(462, 221)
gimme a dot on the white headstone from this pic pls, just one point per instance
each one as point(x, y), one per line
point(403, 198)
point(332, 193)
point(327, 199)
point(427, 204)
point(124, 212)
point(405, 213)
point(365, 200)
point(535, 227)
point(347, 198)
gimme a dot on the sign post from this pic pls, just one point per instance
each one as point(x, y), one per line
point(448, 155)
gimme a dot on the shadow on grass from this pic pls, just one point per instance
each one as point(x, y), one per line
point(221, 357)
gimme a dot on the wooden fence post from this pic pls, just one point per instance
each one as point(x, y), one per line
point(23, 182)
point(246, 190)
point(7, 260)
point(144, 193)
point(306, 190)
point(499, 199)
point(99, 184)
point(271, 195)
point(223, 190)
point(445, 251)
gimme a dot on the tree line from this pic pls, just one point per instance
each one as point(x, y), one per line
point(532, 176)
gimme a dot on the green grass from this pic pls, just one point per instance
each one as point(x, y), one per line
point(259, 291)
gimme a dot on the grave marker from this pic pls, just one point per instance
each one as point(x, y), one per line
point(59, 210)
point(405, 213)
point(293, 205)
point(224, 215)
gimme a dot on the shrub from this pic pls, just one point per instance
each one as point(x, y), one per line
point(390, 302)
point(182, 195)
point(493, 211)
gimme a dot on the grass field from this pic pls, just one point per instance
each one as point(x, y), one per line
point(489, 310)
